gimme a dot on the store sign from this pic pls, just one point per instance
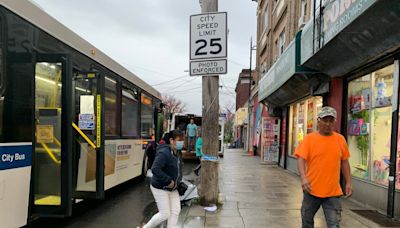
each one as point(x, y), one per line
point(340, 13)
point(279, 73)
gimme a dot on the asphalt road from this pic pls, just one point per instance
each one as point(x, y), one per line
point(127, 205)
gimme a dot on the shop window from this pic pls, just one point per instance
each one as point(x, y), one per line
point(281, 43)
point(129, 112)
point(369, 125)
point(110, 107)
point(303, 120)
point(147, 126)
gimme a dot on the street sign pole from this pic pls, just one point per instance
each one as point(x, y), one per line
point(209, 173)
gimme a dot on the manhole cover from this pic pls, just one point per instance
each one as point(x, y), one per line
point(377, 217)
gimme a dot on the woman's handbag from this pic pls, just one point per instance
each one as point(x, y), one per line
point(182, 187)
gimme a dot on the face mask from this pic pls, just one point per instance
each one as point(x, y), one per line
point(179, 145)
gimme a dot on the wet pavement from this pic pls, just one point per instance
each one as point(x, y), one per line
point(127, 205)
point(257, 195)
point(254, 195)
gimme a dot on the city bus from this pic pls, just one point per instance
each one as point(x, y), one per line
point(73, 122)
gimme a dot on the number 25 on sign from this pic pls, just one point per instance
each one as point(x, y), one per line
point(208, 36)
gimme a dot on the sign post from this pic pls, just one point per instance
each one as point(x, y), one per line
point(208, 45)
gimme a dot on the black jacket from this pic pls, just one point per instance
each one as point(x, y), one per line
point(166, 167)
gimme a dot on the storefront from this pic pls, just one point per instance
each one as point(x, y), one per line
point(240, 127)
point(293, 94)
point(302, 121)
point(369, 128)
point(357, 43)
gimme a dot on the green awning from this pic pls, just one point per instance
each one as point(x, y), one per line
point(350, 34)
point(279, 73)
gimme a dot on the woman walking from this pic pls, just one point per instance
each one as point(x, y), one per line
point(165, 180)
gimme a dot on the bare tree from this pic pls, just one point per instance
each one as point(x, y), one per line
point(229, 109)
point(173, 105)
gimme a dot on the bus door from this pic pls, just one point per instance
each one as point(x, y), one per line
point(51, 190)
point(88, 153)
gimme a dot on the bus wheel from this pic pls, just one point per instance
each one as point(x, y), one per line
point(145, 166)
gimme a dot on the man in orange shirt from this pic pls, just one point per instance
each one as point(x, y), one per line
point(320, 158)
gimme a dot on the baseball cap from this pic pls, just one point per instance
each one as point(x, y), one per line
point(327, 111)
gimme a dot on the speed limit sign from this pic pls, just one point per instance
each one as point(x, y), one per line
point(208, 36)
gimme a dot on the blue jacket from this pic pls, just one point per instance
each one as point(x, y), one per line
point(166, 167)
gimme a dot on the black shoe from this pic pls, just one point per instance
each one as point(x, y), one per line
point(196, 171)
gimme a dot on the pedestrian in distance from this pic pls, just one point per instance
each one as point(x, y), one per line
point(199, 153)
point(167, 175)
point(191, 134)
point(320, 158)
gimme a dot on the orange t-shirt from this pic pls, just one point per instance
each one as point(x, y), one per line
point(323, 156)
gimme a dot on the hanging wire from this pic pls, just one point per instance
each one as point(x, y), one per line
point(169, 81)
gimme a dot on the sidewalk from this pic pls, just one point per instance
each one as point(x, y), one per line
point(257, 195)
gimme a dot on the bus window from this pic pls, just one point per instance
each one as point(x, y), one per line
point(129, 112)
point(110, 107)
point(146, 116)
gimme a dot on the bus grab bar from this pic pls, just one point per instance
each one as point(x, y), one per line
point(84, 136)
point(50, 153)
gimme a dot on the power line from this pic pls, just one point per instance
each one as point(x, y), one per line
point(231, 93)
point(180, 85)
point(169, 81)
point(146, 69)
point(236, 63)
point(194, 88)
point(172, 84)
point(158, 73)
point(226, 87)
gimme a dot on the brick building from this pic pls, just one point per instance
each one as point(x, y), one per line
point(242, 88)
point(344, 54)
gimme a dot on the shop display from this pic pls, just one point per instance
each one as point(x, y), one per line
point(380, 170)
point(303, 120)
point(380, 99)
point(369, 126)
point(270, 139)
point(310, 117)
point(398, 170)
point(357, 103)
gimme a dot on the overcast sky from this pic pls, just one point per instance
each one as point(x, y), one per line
point(151, 39)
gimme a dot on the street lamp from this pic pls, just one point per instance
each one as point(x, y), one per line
point(249, 101)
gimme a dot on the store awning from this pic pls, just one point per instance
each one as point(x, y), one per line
point(287, 81)
point(352, 33)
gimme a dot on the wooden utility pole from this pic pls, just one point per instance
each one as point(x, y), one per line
point(210, 110)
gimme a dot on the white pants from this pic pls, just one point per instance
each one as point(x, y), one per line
point(169, 207)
